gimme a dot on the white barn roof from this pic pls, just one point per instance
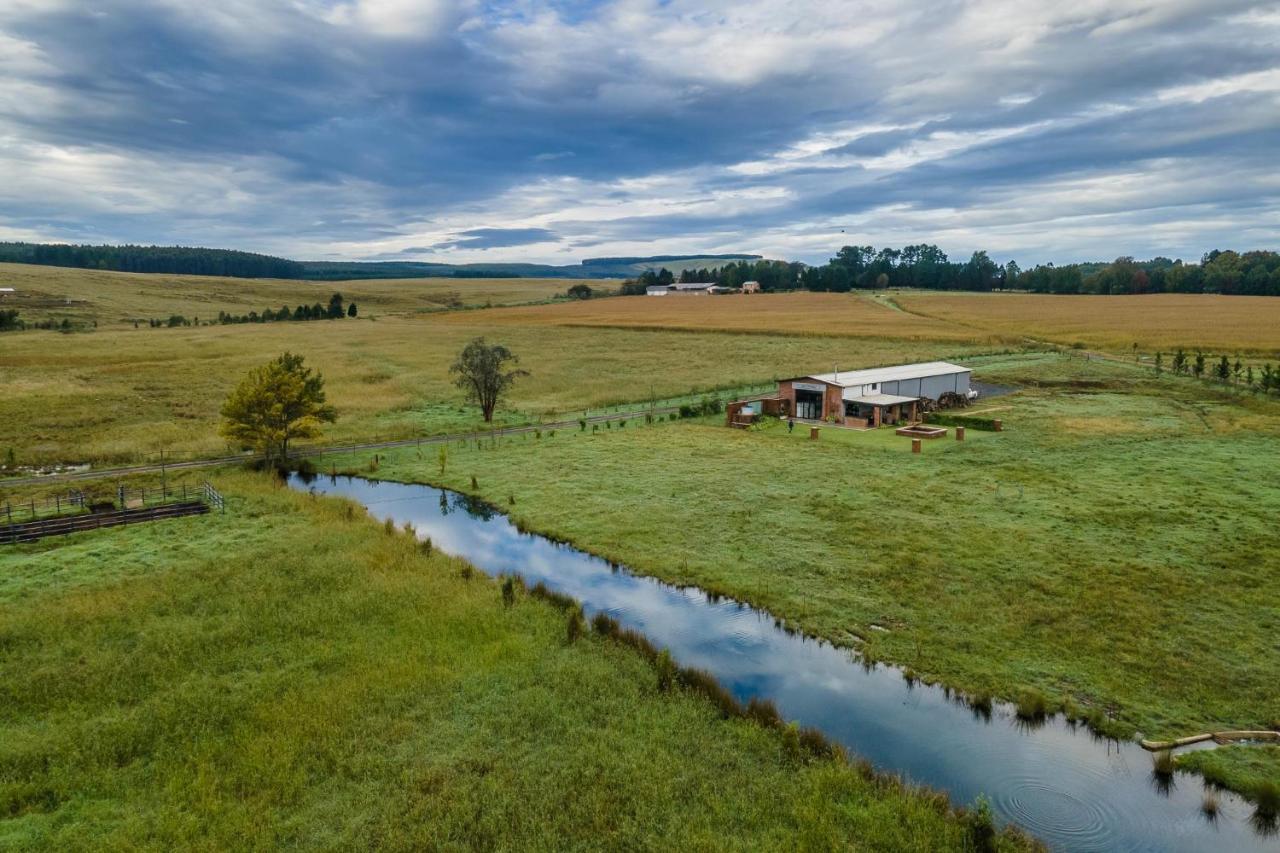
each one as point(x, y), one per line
point(877, 375)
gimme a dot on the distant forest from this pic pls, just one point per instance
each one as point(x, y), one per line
point(162, 259)
point(853, 267)
point(927, 266)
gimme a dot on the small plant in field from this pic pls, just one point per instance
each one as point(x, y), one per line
point(666, 670)
point(791, 741)
point(575, 626)
point(1266, 799)
point(982, 825)
point(511, 500)
point(1032, 705)
point(764, 712)
point(1159, 363)
point(389, 526)
point(425, 546)
point(467, 573)
point(442, 458)
point(621, 424)
point(551, 434)
point(474, 484)
point(582, 424)
point(508, 591)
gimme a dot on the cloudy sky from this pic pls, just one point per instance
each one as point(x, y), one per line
point(467, 130)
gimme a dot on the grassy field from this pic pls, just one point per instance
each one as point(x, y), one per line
point(292, 675)
point(124, 395)
point(842, 315)
point(1110, 549)
point(118, 298)
point(1253, 770)
point(1160, 321)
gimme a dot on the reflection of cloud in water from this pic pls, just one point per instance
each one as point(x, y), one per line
point(1070, 789)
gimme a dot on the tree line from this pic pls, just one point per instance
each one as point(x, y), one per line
point(1228, 371)
point(926, 266)
point(182, 260)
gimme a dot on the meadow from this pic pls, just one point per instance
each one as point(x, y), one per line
point(1159, 321)
point(292, 674)
point(842, 315)
point(115, 299)
point(123, 395)
point(1108, 552)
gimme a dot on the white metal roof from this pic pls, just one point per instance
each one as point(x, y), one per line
point(877, 375)
point(881, 399)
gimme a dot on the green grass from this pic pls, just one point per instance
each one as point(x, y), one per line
point(1249, 769)
point(289, 674)
point(123, 395)
point(1113, 547)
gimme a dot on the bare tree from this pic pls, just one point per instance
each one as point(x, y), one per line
point(486, 372)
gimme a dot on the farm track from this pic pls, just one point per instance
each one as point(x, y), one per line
point(213, 461)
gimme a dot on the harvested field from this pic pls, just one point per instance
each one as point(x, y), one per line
point(1158, 321)
point(809, 314)
point(119, 298)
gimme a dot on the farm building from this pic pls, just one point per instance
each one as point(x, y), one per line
point(869, 398)
point(657, 290)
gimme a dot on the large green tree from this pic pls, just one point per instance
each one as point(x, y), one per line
point(276, 403)
point(486, 372)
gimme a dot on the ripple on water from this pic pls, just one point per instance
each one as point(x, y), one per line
point(1060, 816)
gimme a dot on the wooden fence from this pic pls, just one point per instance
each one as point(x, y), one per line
point(133, 508)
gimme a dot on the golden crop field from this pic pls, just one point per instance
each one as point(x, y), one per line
point(122, 394)
point(816, 314)
point(1158, 321)
point(119, 298)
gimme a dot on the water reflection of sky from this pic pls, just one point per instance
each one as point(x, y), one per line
point(1060, 783)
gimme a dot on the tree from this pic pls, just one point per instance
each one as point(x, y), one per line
point(351, 310)
point(580, 291)
point(1198, 366)
point(1159, 363)
point(1180, 361)
point(335, 309)
point(482, 371)
point(276, 403)
point(1223, 370)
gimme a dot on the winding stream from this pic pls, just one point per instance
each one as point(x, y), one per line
point(1067, 787)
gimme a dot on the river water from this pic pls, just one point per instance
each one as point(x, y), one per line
point(1059, 782)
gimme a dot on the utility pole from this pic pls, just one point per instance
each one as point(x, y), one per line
point(164, 482)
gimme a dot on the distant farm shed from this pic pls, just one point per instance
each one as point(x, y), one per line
point(869, 398)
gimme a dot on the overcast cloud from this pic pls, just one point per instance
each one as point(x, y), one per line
point(482, 131)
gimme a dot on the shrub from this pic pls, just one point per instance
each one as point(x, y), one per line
point(474, 484)
point(604, 624)
point(508, 591)
point(982, 826)
point(425, 546)
point(687, 411)
point(582, 424)
point(389, 526)
point(1162, 763)
point(467, 572)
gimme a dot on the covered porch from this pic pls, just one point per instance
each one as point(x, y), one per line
point(868, 411)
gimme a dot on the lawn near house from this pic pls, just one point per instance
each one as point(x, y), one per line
point(1112, 549)
point(291, 674)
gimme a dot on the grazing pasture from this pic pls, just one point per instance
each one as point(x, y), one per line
point(845, 315)
point(125, 394)
point(1158, 321)
point(1109, 551)
point(119, 298)
point(292, 674)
